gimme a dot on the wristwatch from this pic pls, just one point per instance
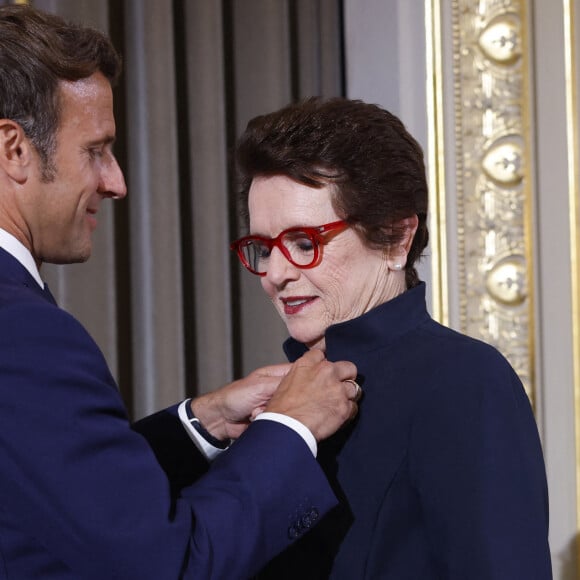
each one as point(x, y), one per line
point(196, 424)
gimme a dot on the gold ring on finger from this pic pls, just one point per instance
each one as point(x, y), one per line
point(357, 390)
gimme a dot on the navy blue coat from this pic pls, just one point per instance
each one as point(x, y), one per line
point(442, 476)
point(84, 496)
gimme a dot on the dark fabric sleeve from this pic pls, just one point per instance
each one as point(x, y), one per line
point(178, 456)
point(87, 491)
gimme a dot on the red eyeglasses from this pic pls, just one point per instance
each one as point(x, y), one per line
point(300, 246)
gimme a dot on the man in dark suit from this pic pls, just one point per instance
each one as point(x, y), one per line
point(84, 494)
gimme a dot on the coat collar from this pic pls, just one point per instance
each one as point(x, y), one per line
point(377, 328)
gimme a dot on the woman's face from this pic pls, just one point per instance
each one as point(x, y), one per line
point(350, 279)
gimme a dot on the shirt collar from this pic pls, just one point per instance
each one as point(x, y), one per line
point(19, 251)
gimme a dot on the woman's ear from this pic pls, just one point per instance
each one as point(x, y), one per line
point(15, 151)
point(397, 256)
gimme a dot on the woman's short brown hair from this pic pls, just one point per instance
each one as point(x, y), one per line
point(376, 166)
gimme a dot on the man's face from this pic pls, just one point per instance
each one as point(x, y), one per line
point(61, 209)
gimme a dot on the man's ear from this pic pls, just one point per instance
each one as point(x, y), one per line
point(15, 151)
point(397, 257)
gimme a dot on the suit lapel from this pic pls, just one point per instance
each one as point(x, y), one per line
point(48, 294)
point(13, 272)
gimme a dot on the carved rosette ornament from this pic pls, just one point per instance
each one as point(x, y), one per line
point(494, 188)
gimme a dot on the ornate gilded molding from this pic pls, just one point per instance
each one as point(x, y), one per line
point(436, 163)
point(573, 192)
point(494, 188)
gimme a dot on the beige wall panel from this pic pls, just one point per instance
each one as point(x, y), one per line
point(555, 301)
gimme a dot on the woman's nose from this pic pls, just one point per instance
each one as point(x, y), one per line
point(280, 269)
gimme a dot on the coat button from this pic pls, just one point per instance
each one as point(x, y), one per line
point(293, 532)
point(309, 518)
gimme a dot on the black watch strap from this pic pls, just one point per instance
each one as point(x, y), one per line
point(196, 424)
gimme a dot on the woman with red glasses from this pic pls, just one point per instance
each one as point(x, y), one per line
point(441, 475)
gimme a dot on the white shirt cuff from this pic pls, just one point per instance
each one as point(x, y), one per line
point(209, 451)
point(295, 425)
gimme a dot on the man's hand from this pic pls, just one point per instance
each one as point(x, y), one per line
point(313, 391)
point(227, 412)
point(320, 394)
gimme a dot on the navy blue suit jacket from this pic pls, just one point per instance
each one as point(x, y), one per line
point(442, 475)
point(84, 496)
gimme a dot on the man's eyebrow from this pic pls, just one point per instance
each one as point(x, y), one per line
point(108, 140)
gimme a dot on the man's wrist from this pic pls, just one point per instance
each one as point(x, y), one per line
point(199, 427)
point(209, 451)
point(206, 409)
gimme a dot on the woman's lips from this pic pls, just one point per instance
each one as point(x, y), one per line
point(295, 304)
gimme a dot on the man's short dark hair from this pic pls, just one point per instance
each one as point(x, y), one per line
point(37, 51)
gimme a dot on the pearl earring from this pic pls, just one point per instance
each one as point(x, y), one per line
point(397, 267)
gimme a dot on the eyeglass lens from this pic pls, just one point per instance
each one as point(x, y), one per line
point(299, 249)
